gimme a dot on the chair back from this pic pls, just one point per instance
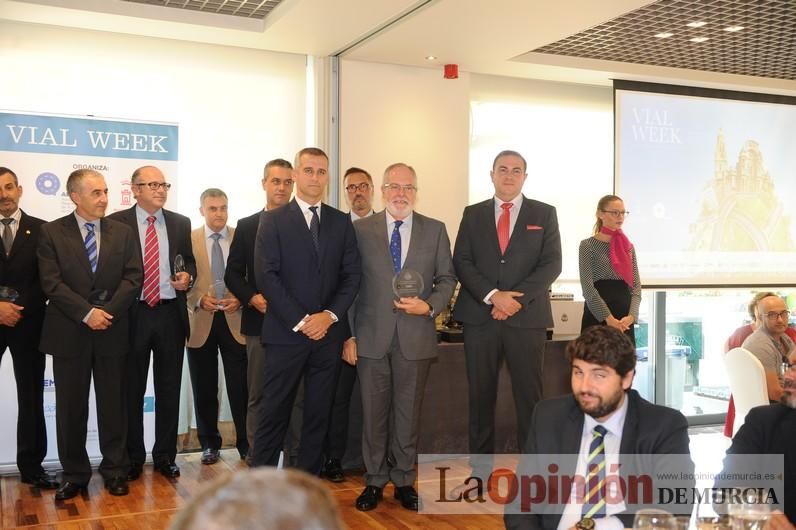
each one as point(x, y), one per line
point(747, 383)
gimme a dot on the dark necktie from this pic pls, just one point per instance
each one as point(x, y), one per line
point(8, 237)
point(315, 227)
point(395, 247)
point(594, 499)
point(91, 246)
point(217, 266)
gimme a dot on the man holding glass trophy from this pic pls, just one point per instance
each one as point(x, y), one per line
point(22, 305)
point(215, 326)
point(159, 318)
point(407, 279)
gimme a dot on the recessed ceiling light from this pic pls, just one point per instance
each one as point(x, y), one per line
point(664, 35)
point(431, 58)
point(733, 28)
point(699, 39)
point(696, 24)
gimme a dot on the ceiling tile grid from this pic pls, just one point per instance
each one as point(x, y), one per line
point(764, 47)
point(258, 9)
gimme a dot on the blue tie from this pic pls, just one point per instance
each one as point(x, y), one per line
point(315, 227)
point(91, 246)
point(594, 499)
point(395, 247)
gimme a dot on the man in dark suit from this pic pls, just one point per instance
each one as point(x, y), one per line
point(607, 425)
point(307, 266)
point(358, 185)
point(278, 185)
point(396, 340)
point(507, 254)
point(769, 430)
point(21, 317)
point(158, 319)
point(91, 273)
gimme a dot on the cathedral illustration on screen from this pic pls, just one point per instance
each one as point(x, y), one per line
point(740, 210)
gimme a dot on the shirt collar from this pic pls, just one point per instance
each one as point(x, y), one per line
point(407, 221)
point(141, 215)
point(224, 232)
point(81, 222)
point(516, 201)
point(305, 206)
point(615, 422)
point(16, 216)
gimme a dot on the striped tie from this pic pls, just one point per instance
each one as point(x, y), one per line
point(91, 246)
point(594, 499)
point(151, 265)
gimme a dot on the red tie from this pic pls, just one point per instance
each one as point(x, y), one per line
point(503, 226)
point(151, 264)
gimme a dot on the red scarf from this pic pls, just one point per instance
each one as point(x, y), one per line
point(621, 259)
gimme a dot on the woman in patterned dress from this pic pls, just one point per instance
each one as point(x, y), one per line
point(609, 272)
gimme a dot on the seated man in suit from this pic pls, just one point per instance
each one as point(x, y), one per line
point(770, 430)
point(605, 422)
point(770, 343)
point(214, 314)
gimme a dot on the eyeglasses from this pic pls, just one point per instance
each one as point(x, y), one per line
point(155, 186)
point(774, 315)
point(407, 188)
point(616, 213)
point(362, 186)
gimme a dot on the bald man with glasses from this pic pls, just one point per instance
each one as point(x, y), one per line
point(770, 344)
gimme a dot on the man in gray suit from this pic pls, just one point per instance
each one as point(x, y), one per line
point(395, 340)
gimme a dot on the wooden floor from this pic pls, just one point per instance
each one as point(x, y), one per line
point(154, 500)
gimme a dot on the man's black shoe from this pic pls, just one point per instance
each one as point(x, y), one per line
point(369, 498)
point(117, 486)
point(168, 469)
point(333, 471)
point(41, 481)
point(134, 472)
point(408, 497)
point(209, 456)
point(70, 489)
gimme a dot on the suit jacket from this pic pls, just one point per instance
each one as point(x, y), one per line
point(201, 320)
point(296, 280)
point(68, 282)
point(767, 430)
point(239, 276)
point(20, 271)
point(530, 265)
point(178, 228)
point(556, 429)
point(375, 319)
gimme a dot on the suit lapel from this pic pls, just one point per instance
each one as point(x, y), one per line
point(417, 234)
point(521, 225)
point(200, 252)
point(171, 234)
point(379, 231)
point(487, 220)
point(323, 242)
point(107, 241)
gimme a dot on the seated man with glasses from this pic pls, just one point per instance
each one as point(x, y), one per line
point(769, 342)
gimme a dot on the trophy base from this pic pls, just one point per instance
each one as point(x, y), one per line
point(451, 335)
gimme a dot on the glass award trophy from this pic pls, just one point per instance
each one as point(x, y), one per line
point(407, 283)
point(8, 294)
point(179, 265)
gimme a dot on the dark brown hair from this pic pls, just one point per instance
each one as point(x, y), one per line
point(605, 346)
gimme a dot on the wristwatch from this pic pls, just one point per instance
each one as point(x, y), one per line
point(587, 523)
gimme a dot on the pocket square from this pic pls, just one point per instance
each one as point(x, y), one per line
point(533, 227)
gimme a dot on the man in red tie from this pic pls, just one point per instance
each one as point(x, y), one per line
point(507, 254)
point(158, 319)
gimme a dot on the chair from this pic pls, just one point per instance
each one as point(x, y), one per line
point(747, 383)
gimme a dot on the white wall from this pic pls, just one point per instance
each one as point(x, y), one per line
point(402, 114)
point(236, 108)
